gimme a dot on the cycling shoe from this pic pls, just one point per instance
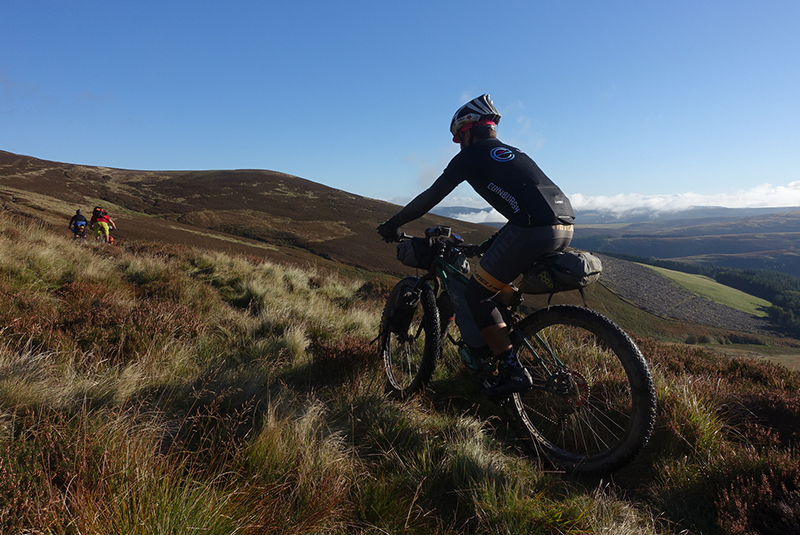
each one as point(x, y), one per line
point(512, 379)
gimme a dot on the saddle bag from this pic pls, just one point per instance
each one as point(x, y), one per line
point(561, 272)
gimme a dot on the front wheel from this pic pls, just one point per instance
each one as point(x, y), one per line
point(410, 337)
point(593, 405)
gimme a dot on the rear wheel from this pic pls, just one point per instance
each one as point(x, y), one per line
point(410, 337)
point(593, 405)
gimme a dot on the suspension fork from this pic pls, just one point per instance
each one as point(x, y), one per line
point(432, 280)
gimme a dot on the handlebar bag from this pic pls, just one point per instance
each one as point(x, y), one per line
point(420, 252)
point(561, 272)
point(416, 253)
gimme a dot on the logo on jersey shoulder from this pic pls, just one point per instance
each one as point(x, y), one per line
point(502, 154)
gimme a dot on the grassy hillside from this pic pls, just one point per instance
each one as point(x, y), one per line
point(647, 324)
point(266, 213)
point(708, 287)
point(287, 218)
point(152, 388)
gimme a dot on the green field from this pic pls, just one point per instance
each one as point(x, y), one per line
point(711, 289)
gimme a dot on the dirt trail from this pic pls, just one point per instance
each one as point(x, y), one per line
point(659, 295)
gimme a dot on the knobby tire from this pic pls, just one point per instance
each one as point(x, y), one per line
point(603, 415)
point(411, 340)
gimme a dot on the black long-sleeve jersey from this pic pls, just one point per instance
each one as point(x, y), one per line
point(507, 178)
point(76, 218)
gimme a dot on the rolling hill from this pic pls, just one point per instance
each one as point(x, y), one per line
point(742, 238)
point(288, 219)
point(265, 213)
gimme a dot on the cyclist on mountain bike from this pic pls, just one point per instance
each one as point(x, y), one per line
point(77, 223)
point(540, 221)
point(104, 224)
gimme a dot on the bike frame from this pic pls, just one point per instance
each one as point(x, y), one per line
point(441, 270)
point(567, 349)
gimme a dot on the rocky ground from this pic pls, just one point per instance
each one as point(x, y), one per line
point(659, 295)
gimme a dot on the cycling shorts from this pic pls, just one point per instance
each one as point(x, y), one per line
point(101, 228)
point(516, 249)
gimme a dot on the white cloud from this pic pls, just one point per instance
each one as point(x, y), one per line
point(486, 216)
point(469, 202)
point(763, 196)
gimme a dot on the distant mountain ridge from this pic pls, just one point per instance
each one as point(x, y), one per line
point(770, 240)
point(720, 213)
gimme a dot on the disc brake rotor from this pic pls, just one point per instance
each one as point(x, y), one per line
point(575, 388)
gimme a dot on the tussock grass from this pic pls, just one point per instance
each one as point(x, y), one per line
point(147, 388)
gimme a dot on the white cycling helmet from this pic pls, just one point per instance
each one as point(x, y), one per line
point(479, 108)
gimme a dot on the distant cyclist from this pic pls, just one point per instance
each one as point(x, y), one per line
point(540, 219)
point(101, 223)
point(78, 224)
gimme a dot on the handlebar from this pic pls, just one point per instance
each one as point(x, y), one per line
point(441, 233)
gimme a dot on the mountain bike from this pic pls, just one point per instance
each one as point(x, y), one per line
point(107, 239)
point(592, 405)
point(79, 232)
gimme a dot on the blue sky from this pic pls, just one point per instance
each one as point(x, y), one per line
point(623, 104)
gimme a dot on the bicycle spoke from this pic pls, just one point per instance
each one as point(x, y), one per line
point(581, 409)
point(410, 339)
